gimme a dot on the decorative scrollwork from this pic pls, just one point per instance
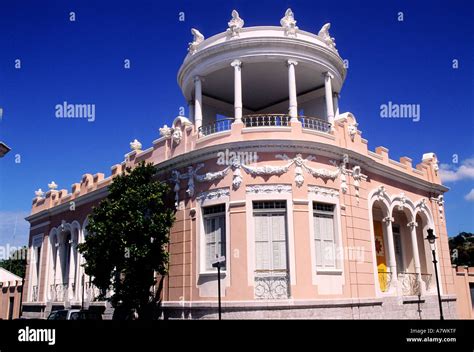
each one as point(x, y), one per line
point(265, 170)
point(213, 194)
point(35, 294)
point(410, 284)
point(271, 284)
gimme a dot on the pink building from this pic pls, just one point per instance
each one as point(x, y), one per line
point(267, 172)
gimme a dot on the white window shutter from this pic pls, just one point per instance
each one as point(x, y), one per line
point(317, 240)
point(279, 242)
point(262, 260)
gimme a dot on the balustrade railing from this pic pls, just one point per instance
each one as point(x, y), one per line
point(266, 120)
point(411, 284)
point(314, 123)
point(271, 284)
point(218, 126)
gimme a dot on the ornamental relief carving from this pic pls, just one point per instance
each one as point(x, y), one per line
point(213, 194)
point(268, 189)
point(192, 174)
point(440, 202)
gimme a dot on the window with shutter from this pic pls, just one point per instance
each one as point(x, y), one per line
point(214, 232)
point(324, 235)
point(270, 236)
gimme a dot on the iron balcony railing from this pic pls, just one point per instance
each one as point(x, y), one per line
point(266, 120)
point(411, 283)
point(35, 294)
point(272, 284)
point(314, 123)
point(218, 126)
point(59, 292)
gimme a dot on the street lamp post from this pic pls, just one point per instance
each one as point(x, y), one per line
point(82, 305)
point(431, 238)
point(218, 263)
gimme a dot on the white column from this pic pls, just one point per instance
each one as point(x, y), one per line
point(191, 110)
point(335, 98)
point(55, 270)
point(416, 255)
point(293, 110)
point(329, 104)
point(237, 65)
point(392, 263)
point(72, 269)
point(414, 244)
point(197, 102)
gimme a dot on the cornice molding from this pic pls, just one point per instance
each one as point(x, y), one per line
point(307, 147)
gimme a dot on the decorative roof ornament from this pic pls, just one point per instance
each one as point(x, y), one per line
point(198, 38)
point(177, 135)
point(136, 145)
point(352, 130)
point(166, 131)
point(39, 193)
point(289, 24)
point(431, 158)
point(235, 24)
point(326, 37)
point(52, 186)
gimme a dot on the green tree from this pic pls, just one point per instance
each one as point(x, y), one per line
point(16, 264)
point(128, 234)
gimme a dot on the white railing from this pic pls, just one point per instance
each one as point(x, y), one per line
point(413, 284)
point(266, 120)
point(59, 292)
point(314, 123)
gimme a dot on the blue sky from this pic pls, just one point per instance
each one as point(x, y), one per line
point(406, 62)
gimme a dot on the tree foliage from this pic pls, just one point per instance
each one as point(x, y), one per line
point(127, 237)
point(16, 263)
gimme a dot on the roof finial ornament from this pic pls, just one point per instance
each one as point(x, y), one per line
point(326, 37)
point(52, 186)
point(235, 24)
point(289, 24)
point(198, 38)
point(39, 193)
point(136, 145)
